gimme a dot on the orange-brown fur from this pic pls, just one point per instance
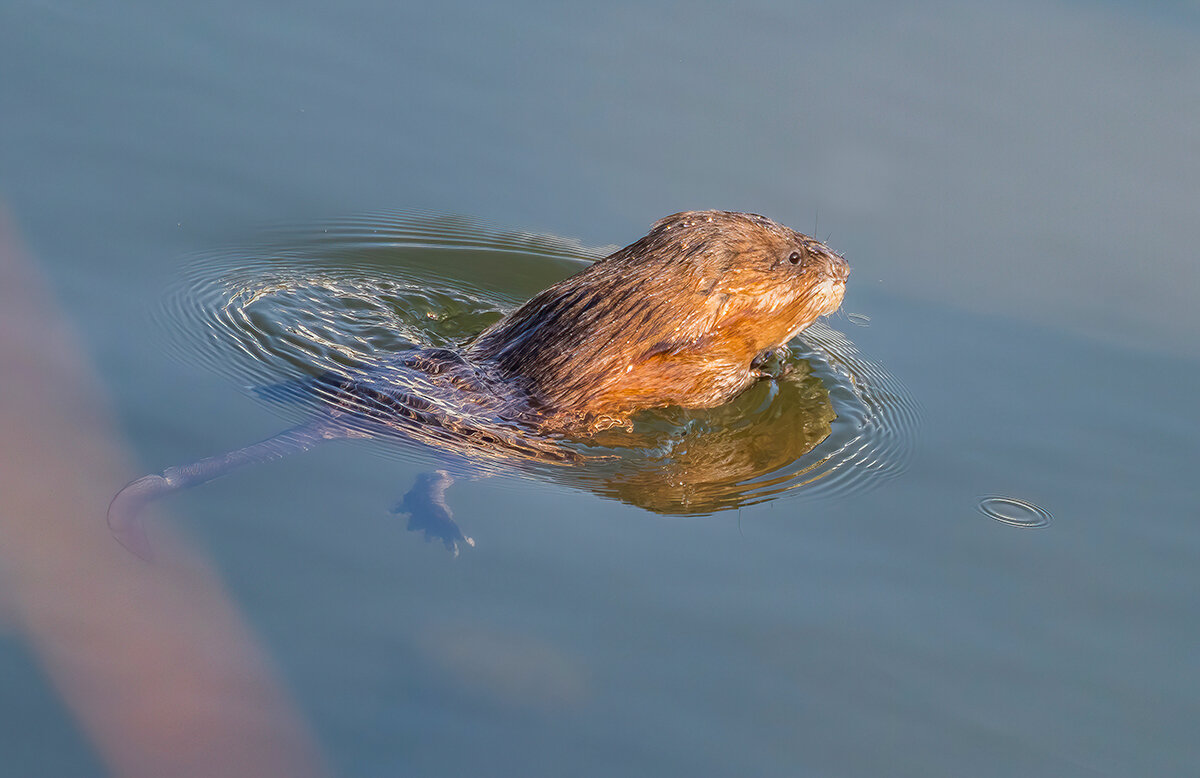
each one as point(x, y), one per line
point(677, 318)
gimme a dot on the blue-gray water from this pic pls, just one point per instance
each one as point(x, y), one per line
point(1015, 187)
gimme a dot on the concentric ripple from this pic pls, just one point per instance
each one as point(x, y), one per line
point(345, 300)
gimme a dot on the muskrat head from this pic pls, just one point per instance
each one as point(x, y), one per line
point(676, 318)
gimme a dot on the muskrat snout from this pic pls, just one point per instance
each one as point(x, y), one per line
point(829, 264)
point(840, 269)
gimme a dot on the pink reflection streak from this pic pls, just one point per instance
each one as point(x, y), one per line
point(153, 660)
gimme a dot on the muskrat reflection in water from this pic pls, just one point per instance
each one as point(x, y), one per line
point(689, 316)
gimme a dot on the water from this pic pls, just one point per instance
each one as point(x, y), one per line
point(1014, 187)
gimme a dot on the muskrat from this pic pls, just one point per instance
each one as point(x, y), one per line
point(677, 318)
point(686, 316)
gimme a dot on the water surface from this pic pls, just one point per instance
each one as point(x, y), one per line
point(1014, 187)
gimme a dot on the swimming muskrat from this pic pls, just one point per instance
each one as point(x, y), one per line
point(688, 316)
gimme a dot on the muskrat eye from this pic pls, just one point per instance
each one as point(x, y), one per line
point(794, 257)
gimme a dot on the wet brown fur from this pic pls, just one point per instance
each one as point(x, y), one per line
point(677, 318)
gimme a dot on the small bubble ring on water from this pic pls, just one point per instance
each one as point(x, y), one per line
point(1010, 510)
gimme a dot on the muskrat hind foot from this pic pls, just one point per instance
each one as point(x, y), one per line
point(428, 513)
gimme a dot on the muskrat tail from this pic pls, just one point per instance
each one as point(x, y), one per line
point(124, 512)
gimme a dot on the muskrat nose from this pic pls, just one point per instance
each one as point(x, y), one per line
point(832, 265)
point(839, 268)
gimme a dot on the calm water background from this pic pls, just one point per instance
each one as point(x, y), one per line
point(1016, 187)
